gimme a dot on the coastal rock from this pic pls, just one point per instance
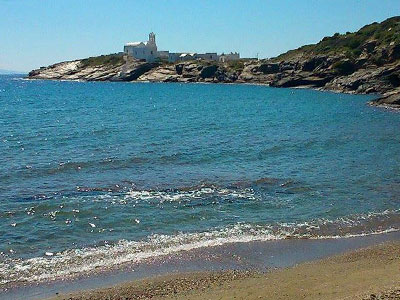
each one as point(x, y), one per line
point(371, 79)
point(390, 100)
point(137, 71)
point(76, 70)
point(160, 74)
point(394, 53)
point(253, 72)
point(56, 71)
point(364, 62)
point(301, 81)
point(314, 63)
point(209, 71)
point(325, 73)
point(266, 68)
point(193, 71)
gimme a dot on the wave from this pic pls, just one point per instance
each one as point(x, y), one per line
point(195, 192)
point(74, 262)
point(107, 163)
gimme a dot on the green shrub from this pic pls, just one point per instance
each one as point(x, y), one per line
point(344, 67)
point(236, 65)
point(350, 44)
point(111, 59)
point(354, 43)
point(357, 52)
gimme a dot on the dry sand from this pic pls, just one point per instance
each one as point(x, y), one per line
point(371, 273)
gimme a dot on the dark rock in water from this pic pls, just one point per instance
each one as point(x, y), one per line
point(390, 100)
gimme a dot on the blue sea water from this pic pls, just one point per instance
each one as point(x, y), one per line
point(94, 174)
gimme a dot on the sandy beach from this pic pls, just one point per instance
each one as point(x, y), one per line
point(211, 150)
point(369, 273)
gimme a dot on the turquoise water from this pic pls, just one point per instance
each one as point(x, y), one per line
point(96, 174)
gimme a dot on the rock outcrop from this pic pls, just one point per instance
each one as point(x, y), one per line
point(390, 100)
point(367, 61)
point(76, 70)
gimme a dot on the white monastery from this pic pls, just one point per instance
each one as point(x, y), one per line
point(148, 51)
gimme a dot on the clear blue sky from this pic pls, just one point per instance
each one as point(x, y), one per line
point(35, 33)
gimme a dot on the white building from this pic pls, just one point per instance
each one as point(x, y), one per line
point(173, 57)
point(148, 51)
point(164, 55)
point(228, 57)
point(208, 56)
point(188, 56)
point(143, 50)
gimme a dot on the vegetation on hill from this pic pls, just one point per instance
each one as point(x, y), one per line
point(236, 65)
point(352, 44)
point(110, 59)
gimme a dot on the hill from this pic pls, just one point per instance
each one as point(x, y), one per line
point(366, 61)
point(385, 35)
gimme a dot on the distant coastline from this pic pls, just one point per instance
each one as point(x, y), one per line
point(10, 72)
point(364, 62)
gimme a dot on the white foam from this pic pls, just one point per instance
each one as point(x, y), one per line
point(81, 261)
point(170, 196)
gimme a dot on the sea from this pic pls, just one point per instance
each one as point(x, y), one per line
point(99, 174)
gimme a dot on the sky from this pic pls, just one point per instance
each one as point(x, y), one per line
point(35, 33)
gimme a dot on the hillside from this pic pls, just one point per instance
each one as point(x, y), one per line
point(366, 61)
point(385, 35)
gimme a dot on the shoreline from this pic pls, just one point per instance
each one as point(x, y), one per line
point(360, 62)
point(351, 275)
point(373, 103)
point(395, 108)
point(242, 258)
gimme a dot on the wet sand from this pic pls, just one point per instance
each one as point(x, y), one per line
point(370, 273)
point(260, 256)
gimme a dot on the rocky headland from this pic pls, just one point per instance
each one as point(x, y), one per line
point(362, 62)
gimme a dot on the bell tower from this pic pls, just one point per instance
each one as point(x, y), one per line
point(152, 38)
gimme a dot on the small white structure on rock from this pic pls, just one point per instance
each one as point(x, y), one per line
point(148, 51)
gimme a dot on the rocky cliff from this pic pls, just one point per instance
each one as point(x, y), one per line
point(366, 61)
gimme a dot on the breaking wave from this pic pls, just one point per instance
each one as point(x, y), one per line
point(74, 262)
